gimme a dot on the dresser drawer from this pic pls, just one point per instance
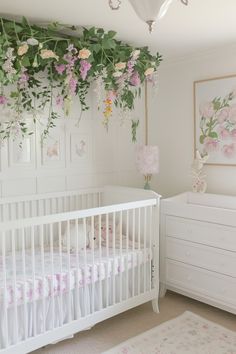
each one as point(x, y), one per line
point(210, 258)
point(200, 281)
point(215, 235)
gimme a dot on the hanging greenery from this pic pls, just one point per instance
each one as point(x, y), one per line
point(44, 68)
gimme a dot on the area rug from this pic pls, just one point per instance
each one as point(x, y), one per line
point(186, 334)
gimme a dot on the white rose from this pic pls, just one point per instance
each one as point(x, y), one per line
point(32, 41)
point(149, 71)
point(136, 53)
point(117, 74)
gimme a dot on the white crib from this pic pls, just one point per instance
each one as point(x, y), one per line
point(70, 260)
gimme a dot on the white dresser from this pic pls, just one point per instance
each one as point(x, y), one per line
point(198, 248)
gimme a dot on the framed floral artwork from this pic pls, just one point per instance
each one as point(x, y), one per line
point(80, 146)
point(215, 119)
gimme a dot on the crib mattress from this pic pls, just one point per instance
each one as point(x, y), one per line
point(60, 275)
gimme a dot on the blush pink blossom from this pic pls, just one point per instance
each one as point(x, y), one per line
point(84, 68)
point(3, 100)
point(73, 85)
point(135, 79)
point(224, 133)
point(233, 134)
point(111, 95)
point(59, 101)
point(207, 109)
point(211, 144)
point(223, 114)
point(60, 68)
point(232, 113)
point(229, 150)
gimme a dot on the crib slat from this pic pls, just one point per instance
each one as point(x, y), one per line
point(121, 257)
point(77, 273)
point(145, 249)
point(139, 253)
point(85, 272)
point(127, 254)
point(133, 253)
point(5, 302)
point(93, 265)
point(107, 260)
point(61, 274)
point(52, 273)
point(43, 280)
point(100, 259)
point(114, 258)
point(24, 284)
point(68, 272)
point(33, 279)
point(13, 249)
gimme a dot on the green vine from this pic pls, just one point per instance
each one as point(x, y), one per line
point(44, 68)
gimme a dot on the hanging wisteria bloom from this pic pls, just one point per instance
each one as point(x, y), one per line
point(85, 66)
point(46, 69)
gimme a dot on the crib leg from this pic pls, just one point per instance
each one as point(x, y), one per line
point(162, 290)
point(155, 305)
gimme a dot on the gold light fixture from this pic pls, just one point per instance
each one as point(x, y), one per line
point(148, 11)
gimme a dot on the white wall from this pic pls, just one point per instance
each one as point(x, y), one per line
point(109, 158)
point(172, 122)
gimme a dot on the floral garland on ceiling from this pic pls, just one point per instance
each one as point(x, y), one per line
point(46, 68)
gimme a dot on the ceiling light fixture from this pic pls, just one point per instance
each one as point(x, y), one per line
point(148, 11)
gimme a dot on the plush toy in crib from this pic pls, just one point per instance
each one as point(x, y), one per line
point(80, 241)
point(106, 229)
point(119, 238)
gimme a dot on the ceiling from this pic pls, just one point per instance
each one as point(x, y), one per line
point(203, 25)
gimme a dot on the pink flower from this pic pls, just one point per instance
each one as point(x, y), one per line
point(111, 95)
point(84, 68)
point(59, 101)
point(223, 114)
point(206, 109)
point(24, 78)
point(135, 79)
point(73, 85)
point(233, 134)
point(232, 113)
point(70, 58)
point(211, 144)
point(60, 68)
point(3, 100)
point(229, 150)
point(224, 133)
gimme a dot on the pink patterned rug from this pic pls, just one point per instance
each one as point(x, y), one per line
point(186, 334)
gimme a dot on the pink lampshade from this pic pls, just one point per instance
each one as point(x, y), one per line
point(147, 159)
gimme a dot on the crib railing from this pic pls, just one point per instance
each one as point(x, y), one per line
point(62, 273)
point(45, 204)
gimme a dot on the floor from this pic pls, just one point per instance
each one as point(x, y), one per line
point(111, 332)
